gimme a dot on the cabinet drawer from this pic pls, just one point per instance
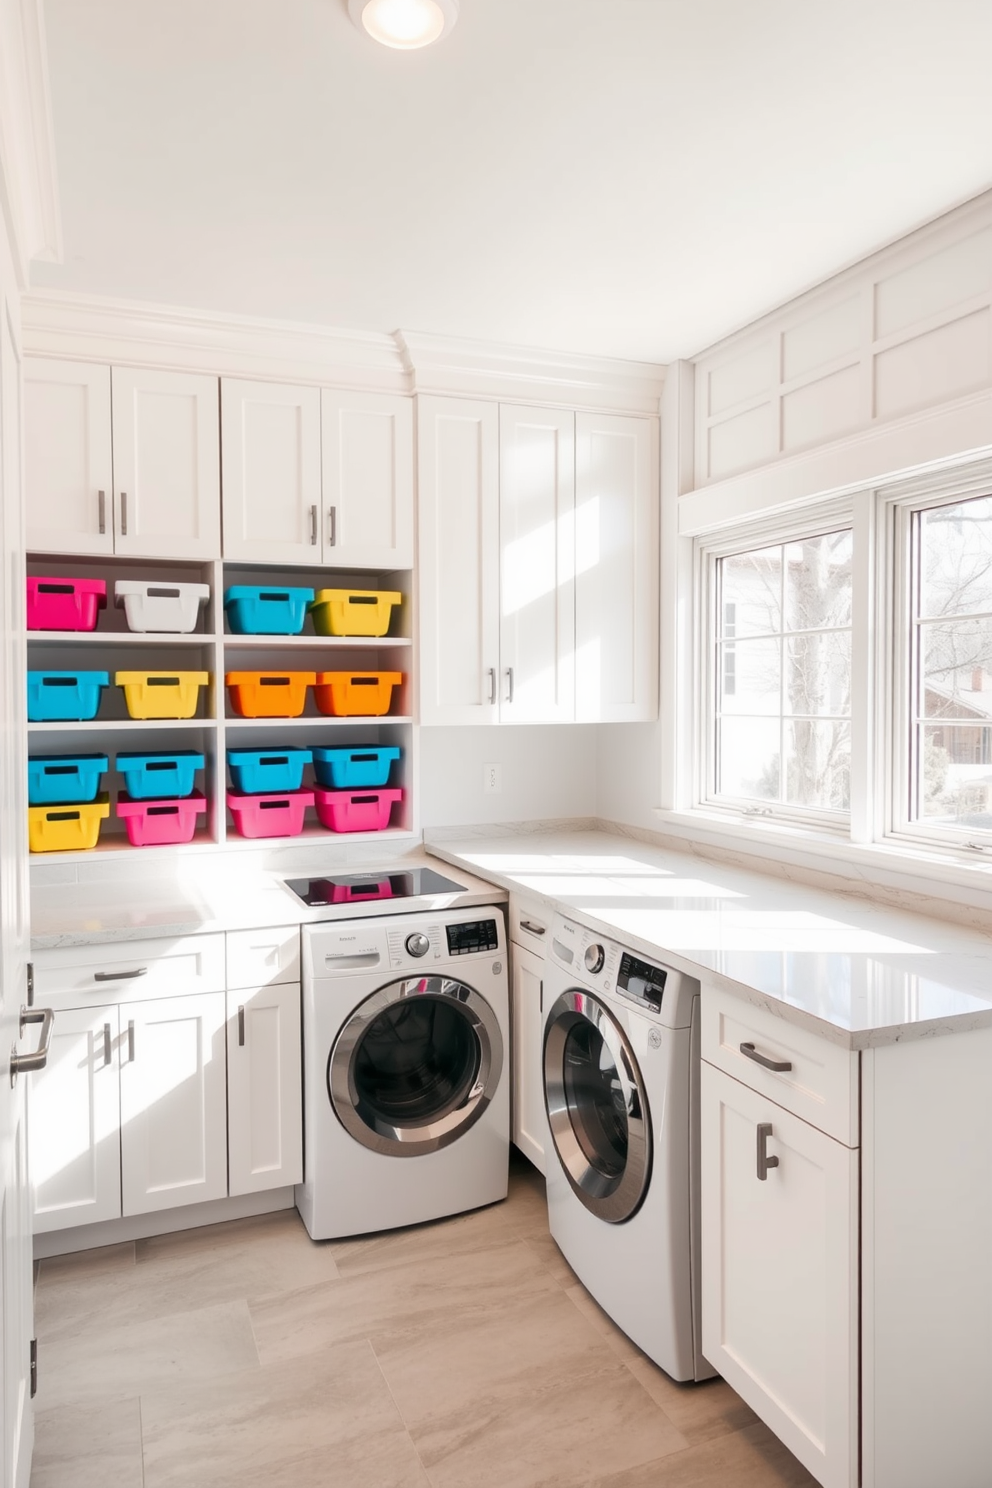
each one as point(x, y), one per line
point(127, 970)
point(530, 924)
point(821, 1083)
point(263, 958)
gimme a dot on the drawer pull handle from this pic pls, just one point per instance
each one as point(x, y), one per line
point(241, 1027)
point(107, 1055)
point(764, 1161)
point(119, 976)
point(778, 1065)
point(534, 929)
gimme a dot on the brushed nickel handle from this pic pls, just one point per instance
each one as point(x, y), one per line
point(101, 504)
point(332, 516)
point(540, 995)
point(23, 1064)
point(241, 1027)
point(492, 685)
point(123, 514)
point(778, 1065)
point(313, 526)
point(107, 1055)
point(509, 684)
point(130, 1040)
point(764, 1161)
point(534, 929)
point(119, 976)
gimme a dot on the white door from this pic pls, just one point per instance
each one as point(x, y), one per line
point(458, 559)
point(537, 591)
point(166, 464)
point(271, 441)
point(780, 1272)
point(367, 459)
point(264, 1088)
point(74, 1111)
point(173, 1102)
point(527, 1012)
point(616, 568)
point(68, 464)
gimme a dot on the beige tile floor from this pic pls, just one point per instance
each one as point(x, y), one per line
point(462, 1354)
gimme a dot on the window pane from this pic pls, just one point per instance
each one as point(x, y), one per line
point(753, 671)
point(818, 582)
point(957, 669)
point(956, 558)
point(956, 775)
point(751, 593)
point(818, 673)
point(748, 757)
point(818, 772)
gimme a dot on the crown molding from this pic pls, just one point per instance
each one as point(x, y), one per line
point(450, 364)
point(28, 181)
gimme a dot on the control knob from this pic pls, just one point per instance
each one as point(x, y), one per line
point(595, 957)
point(418, 944)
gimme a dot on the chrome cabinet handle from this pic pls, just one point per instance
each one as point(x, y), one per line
point(313, 526)
point(241, 1027)
point(764, 1161)
point(107, 1056)
point(123, 514)
point(119, 976)
point(778, 1065)
point(23, 1064)
point(540, 996)
point(509, 684)
point(492, 685)
point(130, 1041)
point(534, 929)
point(101, 506)
point(332, 518)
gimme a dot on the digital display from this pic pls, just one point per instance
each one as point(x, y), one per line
point(641, 981)
point(474, 936)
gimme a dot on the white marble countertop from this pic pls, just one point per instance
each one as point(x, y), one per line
point(194, 902)
point(858, 973)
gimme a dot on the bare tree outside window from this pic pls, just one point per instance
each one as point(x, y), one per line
point(783, 674)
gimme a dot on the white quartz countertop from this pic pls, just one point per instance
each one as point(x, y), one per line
point(119, 908)
point(856, 972)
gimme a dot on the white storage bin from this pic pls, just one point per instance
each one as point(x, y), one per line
point(160, 606)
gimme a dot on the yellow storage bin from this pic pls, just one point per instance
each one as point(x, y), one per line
point(161, 694)
point(353, 612)
point(66, 828)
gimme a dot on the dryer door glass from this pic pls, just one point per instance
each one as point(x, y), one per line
point(415, 1065)
point(597, 1108)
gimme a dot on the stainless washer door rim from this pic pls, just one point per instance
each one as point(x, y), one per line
point(613, 1198)
point(394, 1139)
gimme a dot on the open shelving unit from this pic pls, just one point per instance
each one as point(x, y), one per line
point(214, 649)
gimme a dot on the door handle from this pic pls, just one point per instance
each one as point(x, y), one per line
point(764, 1161)
point(492, 685)
point(332, 519)
point(313, 526)
point(101, 507)
point(23, 1064)
point(509, 684)
point(130, 1041)
point(107, 1056)
point(123, 514)
point(241, 1027)
point(778, 1065)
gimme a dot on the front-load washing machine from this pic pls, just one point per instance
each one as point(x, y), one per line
point(406, 1069)
point(621, 1059)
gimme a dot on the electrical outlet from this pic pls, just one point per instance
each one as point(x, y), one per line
point(492, 782)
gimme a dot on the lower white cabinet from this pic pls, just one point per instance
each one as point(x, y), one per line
point(264, 1088)
point(780, 1271)
point(529, 1124)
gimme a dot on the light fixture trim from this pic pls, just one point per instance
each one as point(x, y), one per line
point(439, 16)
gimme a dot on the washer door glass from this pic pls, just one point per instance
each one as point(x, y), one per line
point(415, 1065)
point(597, 1108)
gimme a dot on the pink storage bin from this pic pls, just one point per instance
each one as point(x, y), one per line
point(65, 604)
point(355, 811)
point(279, 814)
point(158, 823)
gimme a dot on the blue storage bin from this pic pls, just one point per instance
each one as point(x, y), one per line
point(63, 697)
point(353, 769)
point(252, 610)
point(255, 772)
point(65, 779)
point(158, 777)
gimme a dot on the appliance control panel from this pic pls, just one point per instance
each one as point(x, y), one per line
point(641, 982)
point(585, 952)
point(406, 946)
point(472, 937)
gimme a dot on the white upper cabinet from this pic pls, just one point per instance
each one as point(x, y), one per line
point(272, 498)
point(367, 460)
point(458, 461)
point(616, 568)
point(537, 598)
point(68, 463)
point(166, 464)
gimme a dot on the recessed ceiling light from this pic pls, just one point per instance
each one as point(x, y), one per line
point(404, 24)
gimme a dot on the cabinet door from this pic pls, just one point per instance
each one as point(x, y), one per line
point(367, 460)
point(271, 440)
point(68, 470)
point(74, 1123)
point(780, 1273)
point(529, 1123)
point(265, 1096)
point(458, 462)
point(537, 584)
point(173, 1102)
point(616, 568)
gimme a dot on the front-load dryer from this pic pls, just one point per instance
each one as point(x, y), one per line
point(406, 1070)
point(621, 1056)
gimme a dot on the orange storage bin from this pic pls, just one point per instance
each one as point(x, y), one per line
point(356, 694)
point(269, 694)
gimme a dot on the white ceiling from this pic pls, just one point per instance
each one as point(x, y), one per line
point(627, 177)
